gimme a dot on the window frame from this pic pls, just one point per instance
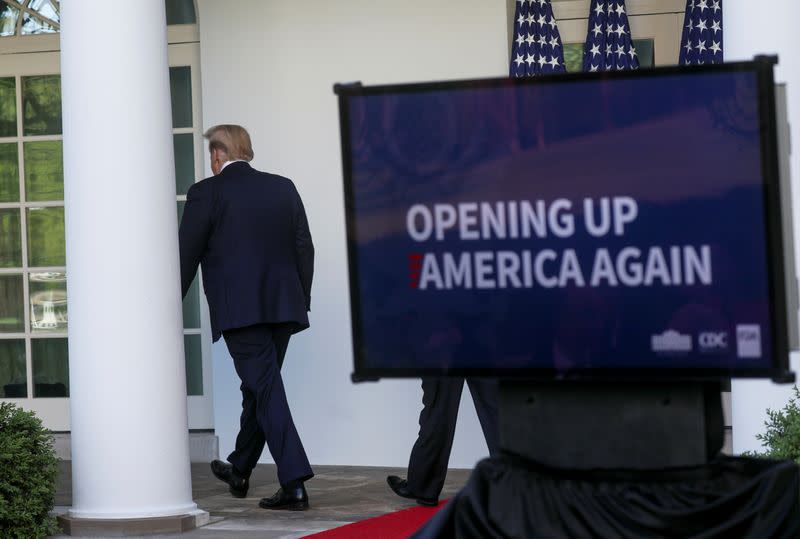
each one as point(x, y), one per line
point(51, 407)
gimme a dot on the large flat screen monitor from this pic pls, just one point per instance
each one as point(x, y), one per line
point(608, 225)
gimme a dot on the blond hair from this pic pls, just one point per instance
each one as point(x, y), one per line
point(232, 140)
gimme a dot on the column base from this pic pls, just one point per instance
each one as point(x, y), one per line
point(122, 527)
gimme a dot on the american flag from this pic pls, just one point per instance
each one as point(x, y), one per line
point(537, 45)
point(702, 32)
point(608, 44)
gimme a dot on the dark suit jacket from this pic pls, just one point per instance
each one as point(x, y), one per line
point(248, 230)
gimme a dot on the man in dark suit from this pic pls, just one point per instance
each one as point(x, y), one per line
point(248, 230)
point(427, 467)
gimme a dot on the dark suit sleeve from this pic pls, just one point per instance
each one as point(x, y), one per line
point(304, 249)
point(194, 231)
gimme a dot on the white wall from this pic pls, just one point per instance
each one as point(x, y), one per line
point(270, 66)
point(770, 29)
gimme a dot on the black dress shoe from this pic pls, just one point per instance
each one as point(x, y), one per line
point(400, 487)
point(237, 485)
point(289, 498)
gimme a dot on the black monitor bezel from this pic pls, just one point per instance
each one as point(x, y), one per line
point(779, 370)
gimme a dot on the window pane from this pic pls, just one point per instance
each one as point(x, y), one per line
point(10, 239)
point(33, 25)
point(8, 19)
point(184, 162)
point(46, 237)
point(13, 378)
point(8, 106)
point(645, 51)
point(44, 170)
point(12, 315)
point(194, 364)
point(50, 367)
point(573, 54)
point(180, 86)
point(191, 303)
point(191, 307)
point(9, 173)
point(41, 101)
point(48, 298)
point(180, 12)
point(45, 8)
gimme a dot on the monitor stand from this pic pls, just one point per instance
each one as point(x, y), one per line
point(608, 425)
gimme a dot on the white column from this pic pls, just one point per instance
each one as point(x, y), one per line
point(769, 28)
point(130, 449)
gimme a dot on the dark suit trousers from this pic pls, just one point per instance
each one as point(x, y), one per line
point(258, 353)
point(427, 467)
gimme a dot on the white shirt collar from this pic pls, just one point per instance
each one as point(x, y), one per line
point(226, 163)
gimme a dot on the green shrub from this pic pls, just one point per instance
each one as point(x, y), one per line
point(28, 469)
point(782, 437)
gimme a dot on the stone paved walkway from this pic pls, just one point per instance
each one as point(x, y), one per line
point(338, 495)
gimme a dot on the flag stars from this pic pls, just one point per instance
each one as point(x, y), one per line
point(599, 8)
point(702, 5)
point(536, 46)
point(701, 46)
point(597, 30)
point(716, 47)
point(715, 26)
point(620, 10)
point(702, 25)
point(595, 50)
point(716, 6)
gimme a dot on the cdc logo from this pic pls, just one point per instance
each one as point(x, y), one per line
point(713, 341)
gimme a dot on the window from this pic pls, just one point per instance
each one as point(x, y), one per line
point(183, 140)
point(33, 293)
point(573, 54)
point(31, 17)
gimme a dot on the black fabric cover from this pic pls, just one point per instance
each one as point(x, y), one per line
point(729, 497)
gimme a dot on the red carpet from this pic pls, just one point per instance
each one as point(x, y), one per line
point(399, 524)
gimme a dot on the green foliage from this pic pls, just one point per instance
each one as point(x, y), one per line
point(28, 469)
point(782, 437)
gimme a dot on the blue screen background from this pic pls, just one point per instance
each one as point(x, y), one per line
point(685, 147)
